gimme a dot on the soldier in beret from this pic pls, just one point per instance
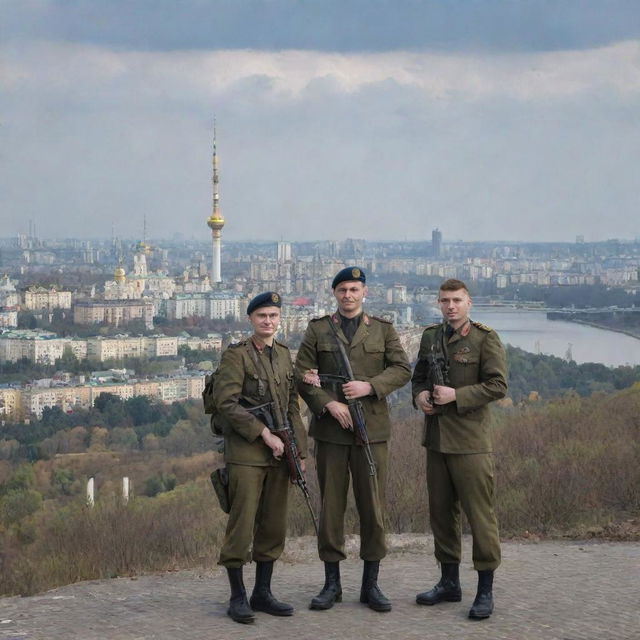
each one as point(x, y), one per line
point(458, 441)
point(258, 474)
point(379, 366)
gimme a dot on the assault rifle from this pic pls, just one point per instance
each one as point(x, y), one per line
point(355, 406)
point(437, 370)
point(268, 416)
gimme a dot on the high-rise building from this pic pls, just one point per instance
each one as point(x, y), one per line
point(284, 252)
point(215, 220)
point(436, 243)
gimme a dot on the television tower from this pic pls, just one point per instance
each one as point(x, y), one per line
point(215, 220)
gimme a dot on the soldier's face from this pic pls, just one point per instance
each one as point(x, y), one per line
point(350, 296)
point(265, 321)
point(455, 306)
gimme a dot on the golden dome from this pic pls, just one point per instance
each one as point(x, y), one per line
point(215, 222)
point(142, 247)
point(119, 274)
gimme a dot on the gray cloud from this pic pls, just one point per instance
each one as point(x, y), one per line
point(532, 146)
point(327, 25)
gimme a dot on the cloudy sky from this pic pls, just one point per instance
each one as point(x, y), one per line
point(490, 119)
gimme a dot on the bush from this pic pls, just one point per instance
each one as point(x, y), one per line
point(159, 483)
point(182, 528)
point(561, 468)
point(18, 504)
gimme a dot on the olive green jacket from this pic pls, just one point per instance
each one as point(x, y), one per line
point(478, 372)
point(239, 383)
point(376, 356)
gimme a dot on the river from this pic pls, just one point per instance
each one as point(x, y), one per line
point(531, 331)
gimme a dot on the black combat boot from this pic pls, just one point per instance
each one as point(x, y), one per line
point(239, 609)
point(370, 593)
point(447, 590)
point(332, 590)
point(482, 606)
point(262, 599)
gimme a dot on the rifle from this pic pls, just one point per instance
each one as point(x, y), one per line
point(355, 406)
point(438, 370)
point(266, 414)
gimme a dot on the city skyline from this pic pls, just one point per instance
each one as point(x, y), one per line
point(494, 123)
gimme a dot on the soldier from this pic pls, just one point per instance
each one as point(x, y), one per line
point(458, 442)
point(379, 366)
point(258, 474)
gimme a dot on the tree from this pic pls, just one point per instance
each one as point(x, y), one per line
point(123, 439)
point(22, 478)
point(112, 408)
point(54, 418)
point(98, 439)
point(140, 409)
point(9, 449)
point(151, 442)
point(182, 440)
point(26, 320)
point(62, 480)
point(18, 504)
point(101, 402)
point(159, 483)
point(68, 361)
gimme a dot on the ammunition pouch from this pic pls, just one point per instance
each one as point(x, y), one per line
point(220, 482)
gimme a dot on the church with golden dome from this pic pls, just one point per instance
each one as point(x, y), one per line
point(140, 282)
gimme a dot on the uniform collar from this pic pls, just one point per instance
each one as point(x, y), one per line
point(259, 345)
point(335, 318)
point(460, 332)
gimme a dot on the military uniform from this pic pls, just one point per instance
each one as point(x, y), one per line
point(458, 440)
point(258, 483)
point(377, 357)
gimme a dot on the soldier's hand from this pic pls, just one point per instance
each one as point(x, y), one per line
point(303, 465)
point(423, 402)
point(273, 442)
point(341, 413)
point(311, 377)
point(356, 389)
point(443, 395)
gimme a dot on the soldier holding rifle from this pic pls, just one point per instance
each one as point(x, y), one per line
point(257, 372)
point(461, 368)
point(347, 365)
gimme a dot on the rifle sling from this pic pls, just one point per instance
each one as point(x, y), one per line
point(274, 396)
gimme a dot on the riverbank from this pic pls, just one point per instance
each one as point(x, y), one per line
point(604, 327)
point(563, 337)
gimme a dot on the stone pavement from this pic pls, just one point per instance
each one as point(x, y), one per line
point(543, 591)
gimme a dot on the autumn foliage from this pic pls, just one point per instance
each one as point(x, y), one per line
point(567, 467)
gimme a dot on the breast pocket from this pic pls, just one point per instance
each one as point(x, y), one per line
point(328, 357)
point(253, 386)
point(464, 366)
point(371, 362)
point(470, 370)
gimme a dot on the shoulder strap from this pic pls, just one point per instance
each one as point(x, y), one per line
point(343, 352)
point(254, 356)
point(272, 391)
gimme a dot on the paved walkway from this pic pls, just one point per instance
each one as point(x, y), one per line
point(544, 591)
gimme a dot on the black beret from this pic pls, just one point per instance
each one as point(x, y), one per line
point(347, 274)
point(266, 299)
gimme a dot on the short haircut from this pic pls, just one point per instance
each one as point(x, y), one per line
point(454, 285)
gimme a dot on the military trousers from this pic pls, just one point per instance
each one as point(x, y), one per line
point(461, 480)
point(258, 515)
point(337, 464)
